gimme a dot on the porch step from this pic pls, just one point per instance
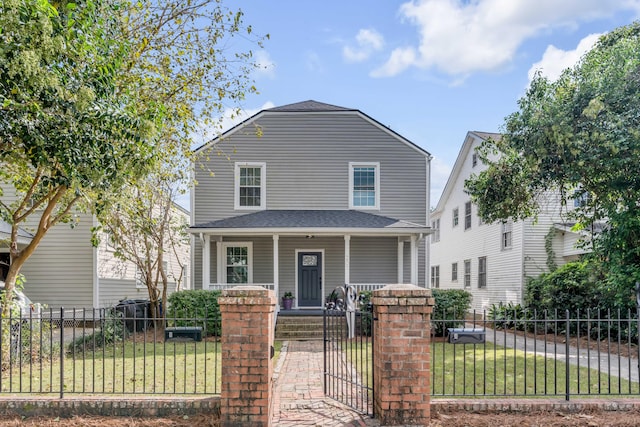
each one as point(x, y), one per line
point(300, 327)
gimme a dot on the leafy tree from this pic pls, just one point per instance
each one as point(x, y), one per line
point(68, 131)
point(184, 60)
point(578, 136)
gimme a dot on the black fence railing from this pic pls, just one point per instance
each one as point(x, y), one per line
point(348, 358)
point(109, 351)
point(591, 353)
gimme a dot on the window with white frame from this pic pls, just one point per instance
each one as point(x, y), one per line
point(467, 273)
point(250, 186)
point(467, 215)
point(364, 185)
point(474, 160)
point(435, 276)
point(507, 234)
point(482, 272)
point(455, 217)
point(454, 272)
point(140, 280)
point(238, 261)
point(435, 224)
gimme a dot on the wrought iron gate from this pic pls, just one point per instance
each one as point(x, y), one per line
point(348, 349)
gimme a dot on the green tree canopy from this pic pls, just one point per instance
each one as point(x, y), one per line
point(580, 136)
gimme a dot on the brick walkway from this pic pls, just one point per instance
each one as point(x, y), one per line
point(299, 397)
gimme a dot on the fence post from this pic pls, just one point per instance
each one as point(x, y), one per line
point(247, 340)
point(402, 363)
point(567, 351)
point(61, 352)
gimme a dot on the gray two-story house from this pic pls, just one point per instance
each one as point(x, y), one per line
point(306, 197)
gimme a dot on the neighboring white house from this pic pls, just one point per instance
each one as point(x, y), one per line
point(67, 271)
point(492, 261)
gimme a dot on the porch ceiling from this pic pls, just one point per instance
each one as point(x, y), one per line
point(310, 222)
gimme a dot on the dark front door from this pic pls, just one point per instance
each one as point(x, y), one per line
point(309, 279)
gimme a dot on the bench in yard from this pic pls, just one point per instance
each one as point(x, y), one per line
point(193, 332)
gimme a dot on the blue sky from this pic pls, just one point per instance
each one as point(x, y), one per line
point(429, 69)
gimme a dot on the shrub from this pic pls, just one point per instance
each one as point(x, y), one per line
point(112, 330)
point(510, 316)
point(195, 308)
point(450, 308)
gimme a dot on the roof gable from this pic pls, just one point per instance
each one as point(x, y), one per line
point(313, 107)
point(463, 154)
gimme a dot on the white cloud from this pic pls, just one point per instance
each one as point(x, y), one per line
point(314, 63)
point(368, 41)
point(440, 172)
point(555, 60)
point(459, 37)
point(266, 66)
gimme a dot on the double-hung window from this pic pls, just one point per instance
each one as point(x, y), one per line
point(467, 273)
point(250, 186)
point(238, 262)
point(454, 272)
point(364, 185)
point(435, 237)
point(467, 215)
point(435, 276)
point(507, 234)
point(482, 272)
point(455, 217)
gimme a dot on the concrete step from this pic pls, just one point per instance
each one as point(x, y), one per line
point(303, 327)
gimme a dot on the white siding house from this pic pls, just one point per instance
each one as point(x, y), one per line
point(492, 261)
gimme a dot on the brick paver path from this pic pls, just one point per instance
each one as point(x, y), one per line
point(299, 396)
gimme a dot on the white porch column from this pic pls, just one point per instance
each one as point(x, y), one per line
point(219, 259)
point(347, 259)
point(276, 267)
point(414, 261)
point(400, 260)
point(206, 261)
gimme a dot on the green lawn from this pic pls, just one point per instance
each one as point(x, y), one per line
point(491, 370)
point(132, 368)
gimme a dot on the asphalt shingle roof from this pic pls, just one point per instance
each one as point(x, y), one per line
point(308, 219)
point(309, 105)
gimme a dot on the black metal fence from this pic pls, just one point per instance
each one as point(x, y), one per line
point(348, 358)
point(593, 353)
point(109, 351)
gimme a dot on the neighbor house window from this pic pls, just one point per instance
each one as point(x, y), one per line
point(436, 230)
point(507, 233)
point(467, 273)
point(455, 217)
point(467, 215)
point(140, 283)
point(237, 262)
point(435, 276)
point(364, 185)
point(250, 188)
point(474, 160)
point(454, 272)
point(482, 272)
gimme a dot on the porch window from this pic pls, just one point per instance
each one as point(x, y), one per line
point(364, 185)
point(250, 188)
point(238, 262)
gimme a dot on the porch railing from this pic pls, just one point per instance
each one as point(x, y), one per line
point(223, 286)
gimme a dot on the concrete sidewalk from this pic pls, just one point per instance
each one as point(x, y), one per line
point(299, 398)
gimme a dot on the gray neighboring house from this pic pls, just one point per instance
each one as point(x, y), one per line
point(306, 197)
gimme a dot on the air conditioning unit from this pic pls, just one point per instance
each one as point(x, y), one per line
point(466, 335)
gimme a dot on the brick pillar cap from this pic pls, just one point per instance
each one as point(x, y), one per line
point(402, 290)
point(247, 291)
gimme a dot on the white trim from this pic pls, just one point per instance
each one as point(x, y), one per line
point(249, 246)
point(315, 231)
point(206, 262)
point(347, 259)
point(276, 268)
point(219, 259)
point(96, 279)
point(263, 186)
point(400, 260)
point(414, 260)
point(295, 293)
point(376, 166)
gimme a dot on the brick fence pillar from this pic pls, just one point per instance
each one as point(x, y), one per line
point(402, 370)
point(247, 339)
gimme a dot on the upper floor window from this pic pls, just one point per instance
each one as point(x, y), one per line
point(580, 198)
point(250, 188)
point(364, 185)
point(482, 272)
point(455, 217)
point(435, 276)
point(474, 160)
point(467, 215)
point(507, 233)
point(435, 224)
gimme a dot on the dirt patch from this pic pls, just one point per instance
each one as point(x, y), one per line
point(538, 419)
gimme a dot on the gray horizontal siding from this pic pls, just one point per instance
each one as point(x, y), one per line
point(374, 260)
point(307, 160)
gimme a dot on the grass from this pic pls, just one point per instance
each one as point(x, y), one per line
point(488, 370)
point(178, 367)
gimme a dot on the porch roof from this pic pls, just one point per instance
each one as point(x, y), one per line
point(311, 221)
point(24, 237)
